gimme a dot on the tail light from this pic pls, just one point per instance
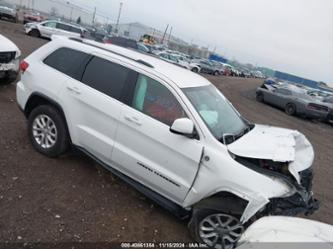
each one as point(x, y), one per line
point(24, 66)
point(316, 107)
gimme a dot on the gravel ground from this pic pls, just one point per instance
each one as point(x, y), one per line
point(73, 199)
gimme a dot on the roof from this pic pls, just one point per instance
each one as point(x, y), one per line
point(181, 77)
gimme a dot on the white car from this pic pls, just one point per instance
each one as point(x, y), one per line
point(168, 132)
point(9, 60)
point(287, 232)
point(51, 27)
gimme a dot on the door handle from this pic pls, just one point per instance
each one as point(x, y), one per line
point(133, 120)
point(74, 89)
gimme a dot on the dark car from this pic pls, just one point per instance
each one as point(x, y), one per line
point(328, 101)
point(121, 41)
point(292, 99)
point(8, 12)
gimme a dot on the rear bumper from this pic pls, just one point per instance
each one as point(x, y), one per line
point(316, 114)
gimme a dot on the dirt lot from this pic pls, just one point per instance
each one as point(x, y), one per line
point(73, 199)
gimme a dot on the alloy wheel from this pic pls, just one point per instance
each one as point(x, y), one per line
point(44, 131)
point(220, 231)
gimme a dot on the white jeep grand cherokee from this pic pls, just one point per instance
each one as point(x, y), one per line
point(168, 132)
point(9, 60)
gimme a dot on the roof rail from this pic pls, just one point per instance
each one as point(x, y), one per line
point(108, 50)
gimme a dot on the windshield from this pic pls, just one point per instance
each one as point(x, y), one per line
point(216, 111)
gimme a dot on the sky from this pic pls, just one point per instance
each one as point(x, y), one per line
point(294, 36)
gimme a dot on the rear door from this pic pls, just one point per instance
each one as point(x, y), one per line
point(281, 97)
point(146, 150)
point(93, 105)
point(48, 29)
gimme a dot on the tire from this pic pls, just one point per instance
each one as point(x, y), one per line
point(290, 109)
point(260, 97)
point(216, 73)
point(202, 230)
point(47, 121)
point(195, 70)
point(34, 33)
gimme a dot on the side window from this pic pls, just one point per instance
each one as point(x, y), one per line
point(283, 91)
point(75, 30)
point(50, 24)
point(106, 77)
point(63, 26)
point(155, 100)
point(68, 61)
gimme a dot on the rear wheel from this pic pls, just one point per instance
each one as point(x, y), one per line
point(195, 70)
point(290, 109)
point(47, 131)
point(216, 229)
point(34, 33)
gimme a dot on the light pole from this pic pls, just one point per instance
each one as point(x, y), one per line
point(119, 13)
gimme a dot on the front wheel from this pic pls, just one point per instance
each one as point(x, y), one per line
point(216, 229)
point(34, 33)
point(47, 131)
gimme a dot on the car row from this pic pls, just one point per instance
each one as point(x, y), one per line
point(168, 132)
point(297, 100)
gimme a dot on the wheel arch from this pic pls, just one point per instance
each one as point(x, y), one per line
point(37, 99)
point(232, 203)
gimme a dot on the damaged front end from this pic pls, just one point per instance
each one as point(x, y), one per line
point(288, 156)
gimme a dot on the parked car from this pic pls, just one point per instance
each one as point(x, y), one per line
point(166, 131)
point(287, 232)
point(206, 67)
point(52, 27)
point(143, 48)
point(328, 101)
point(218, 67)
point(32, 16)
point(293, 100)
point(121, 41)
point(9, 60)
point(8, 12)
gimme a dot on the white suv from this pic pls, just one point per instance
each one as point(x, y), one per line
point(48, 28)
point(168, 132)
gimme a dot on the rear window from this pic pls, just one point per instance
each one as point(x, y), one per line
point(106, 77)
point(68, 61)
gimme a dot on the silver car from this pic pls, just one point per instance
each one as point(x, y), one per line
point(328, 101)
point(294, 100)
point(8, 12)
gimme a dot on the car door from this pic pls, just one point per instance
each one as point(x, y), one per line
point(146, 150)
point(47, 29)
point(281, 97)
point(93, 106)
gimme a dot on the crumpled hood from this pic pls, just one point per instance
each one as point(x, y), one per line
point(7, 45)
point(276, 144)
point(286, 229)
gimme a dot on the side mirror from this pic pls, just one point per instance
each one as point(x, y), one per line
point(183, 126)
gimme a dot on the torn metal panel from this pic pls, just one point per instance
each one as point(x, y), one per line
point(276, 144)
